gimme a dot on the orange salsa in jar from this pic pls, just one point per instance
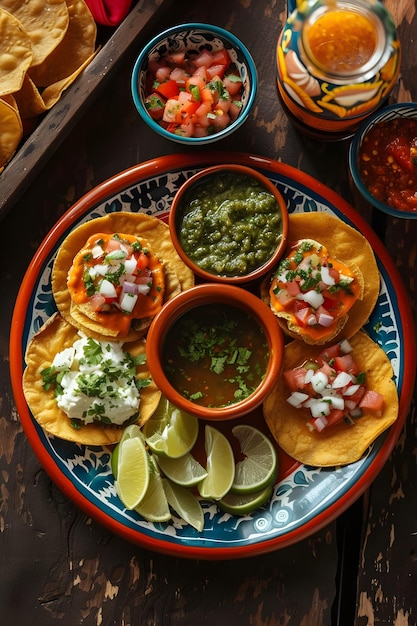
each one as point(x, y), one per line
point(341, 41)
point(388, 163)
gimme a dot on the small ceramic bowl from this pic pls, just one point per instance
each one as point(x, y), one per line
point(194, 38)
point(208, 224)
point(217, 303)
point(389, 115)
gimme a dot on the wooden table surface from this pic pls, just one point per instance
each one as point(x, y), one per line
point(58, 566)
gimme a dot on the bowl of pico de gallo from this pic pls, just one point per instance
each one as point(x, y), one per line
point(383, 160)
point(194, 83)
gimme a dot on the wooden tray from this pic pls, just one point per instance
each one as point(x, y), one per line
point(61, 118)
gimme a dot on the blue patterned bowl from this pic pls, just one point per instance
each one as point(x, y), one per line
point(386, 114)
point(195, 37)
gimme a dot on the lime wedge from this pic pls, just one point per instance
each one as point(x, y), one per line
point(185, 504)
point(132, 472)
point(259, 467)
point(220, 465)
point(154, 506)
point(244, 503)
point(131, 431)
point(185, 471)
point(170, 432)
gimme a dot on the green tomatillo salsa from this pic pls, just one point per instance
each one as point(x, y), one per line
point(230, 224)
point(215, 355)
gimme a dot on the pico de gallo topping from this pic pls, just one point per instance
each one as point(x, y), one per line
point(313, 290)
point(388, 162)
point(332, 388)
point(193, 94)
point(117, 273)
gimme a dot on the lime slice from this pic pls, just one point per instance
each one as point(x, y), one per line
point(171, 432)
point(185, 504)
point(185, 471)
point(132, 472)
point(220, 465)
point(154, 506)
point(131, 431)
point(259, 467)
point(244, 503)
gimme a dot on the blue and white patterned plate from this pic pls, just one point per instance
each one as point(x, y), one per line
point(305, 498)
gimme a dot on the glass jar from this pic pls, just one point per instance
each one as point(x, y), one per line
point(337, 61)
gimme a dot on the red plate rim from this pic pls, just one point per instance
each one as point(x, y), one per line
point(132, 176)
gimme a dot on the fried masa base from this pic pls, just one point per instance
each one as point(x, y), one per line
point(342, 443)
point(348, 246)
point(54, 336)
point(178, 277)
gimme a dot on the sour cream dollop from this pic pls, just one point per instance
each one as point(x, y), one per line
point(98, 382)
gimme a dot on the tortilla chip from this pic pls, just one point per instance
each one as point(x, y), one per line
point(15, 53)
point(76, 48)
point(11, 129)
point(178, 276)
point(45, 22)
point(342, 443)
point(55, 336)
point(348, 246)
point(29, 100)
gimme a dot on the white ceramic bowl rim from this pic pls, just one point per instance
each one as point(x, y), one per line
point(399, 109)
point(234, 43)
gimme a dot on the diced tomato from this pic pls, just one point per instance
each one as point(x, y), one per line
point(179, 75)
point(329, 353)
point(346, 363)
point(221, 57)
point(372, 400)
point(295, 378)
point(232, 83)
point(162, 73)
point(356, 397)
point(215, 71)
point(155, 106)
point(172, 111)
point(97, 301)
point(335, 417)
point(142, 261)
point(303, 315)
point(168, 89)
point(176, 58)
point(205, 58)
point(293, 287)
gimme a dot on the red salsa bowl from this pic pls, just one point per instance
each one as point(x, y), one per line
point(383, 160)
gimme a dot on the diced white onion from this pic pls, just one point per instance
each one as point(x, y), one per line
point(320, 423)
point(297, 398)
point(351, 390)
point(100, 269)
point(309, 375)
point(342, 379)
point(312, 297)
point(325, 276)
point(130, 265)
point(144, 289)
point(128, 301)
point(97, 251)
point(319, 381)
point(325, 319)
point(336, 402)
point(107, 289)
point(345, 346)
point(312, 320)
point(319, 408)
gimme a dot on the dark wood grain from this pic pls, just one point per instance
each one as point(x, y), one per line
point(58, 566)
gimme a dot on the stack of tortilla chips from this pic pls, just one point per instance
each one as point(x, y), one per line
point(44, 45)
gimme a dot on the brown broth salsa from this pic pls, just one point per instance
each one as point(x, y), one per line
point(215, 355)
point(388, 162)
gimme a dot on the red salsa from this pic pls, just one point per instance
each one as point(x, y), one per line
point(388, 163)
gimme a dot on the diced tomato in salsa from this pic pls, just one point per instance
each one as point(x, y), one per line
point(206, 79)
point(331, 388)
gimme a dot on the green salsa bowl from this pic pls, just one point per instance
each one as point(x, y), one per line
point(229, 224)
point(215, 351)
